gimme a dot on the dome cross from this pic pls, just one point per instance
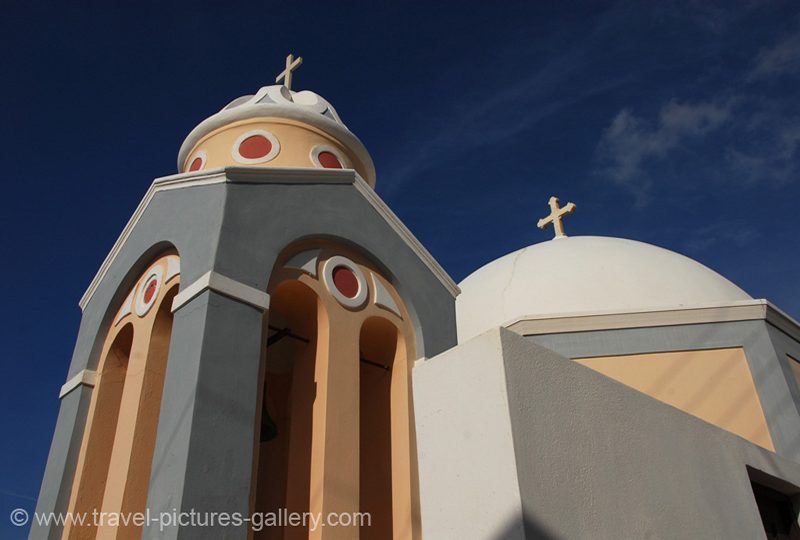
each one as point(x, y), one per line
point(292, 64)
point(556, 216)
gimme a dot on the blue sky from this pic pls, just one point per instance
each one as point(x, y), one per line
point(676, 124)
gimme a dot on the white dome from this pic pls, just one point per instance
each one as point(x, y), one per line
point(585, 274)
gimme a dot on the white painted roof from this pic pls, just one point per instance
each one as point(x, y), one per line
point(585, 274)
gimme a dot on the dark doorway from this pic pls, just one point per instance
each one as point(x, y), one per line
point(778, 511)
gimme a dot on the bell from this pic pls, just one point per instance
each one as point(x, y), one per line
point(268, 428)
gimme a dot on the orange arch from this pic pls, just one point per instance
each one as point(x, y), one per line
point(123, 413)
point(361, 429)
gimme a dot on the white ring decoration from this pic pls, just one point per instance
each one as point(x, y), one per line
point(317, 150)
point(327, 277)
point(143, 307)
point(203, 158)
point(276, 147)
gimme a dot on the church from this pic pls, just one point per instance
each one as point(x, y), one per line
point(267, 338)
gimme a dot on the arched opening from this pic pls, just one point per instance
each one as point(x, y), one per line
point(111, 381)
point(146, 427)
point(337, 432)
point(378, 348)
point(113, 470)
point(283, 478)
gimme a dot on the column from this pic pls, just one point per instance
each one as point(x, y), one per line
point(203, 459)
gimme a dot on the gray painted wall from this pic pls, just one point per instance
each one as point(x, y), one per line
point(203, 460)
point(60, 469)
point(620, 464)
point(236, 228)
point(186, 219)
point(594, 458)
point(786, 346)
point(261, 219)
point(765, 348)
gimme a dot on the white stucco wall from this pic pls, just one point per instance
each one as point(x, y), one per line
point(467, 469)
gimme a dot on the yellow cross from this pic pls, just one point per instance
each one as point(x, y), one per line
point(556, 215)
point(292, 64)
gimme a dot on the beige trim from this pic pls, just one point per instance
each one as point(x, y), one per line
point(222, 285)
point(715, 385)
point(746, 310)
point(86, 377)
point(267, 175)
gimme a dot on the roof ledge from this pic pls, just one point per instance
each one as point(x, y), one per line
point(744, 310)
point(268, 175)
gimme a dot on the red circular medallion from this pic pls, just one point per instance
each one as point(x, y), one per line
point(196, 164)
point(329, 160)
point(345, 281)
point(150, 291)
point(254, 147)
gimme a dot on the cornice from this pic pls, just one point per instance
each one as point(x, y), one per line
point(225, 286)
point(269, 175)
point(85, 377)
point(746, 310)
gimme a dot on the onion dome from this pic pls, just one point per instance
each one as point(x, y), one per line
point(276, 127)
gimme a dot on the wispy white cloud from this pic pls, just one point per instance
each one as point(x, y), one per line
point(494, 114)
point(734, 233)
point(494, 118)
point(756, 136)
point(17, 495)
point(710, 16)
point(630, 142)
point(773, 160)
point(781, 58)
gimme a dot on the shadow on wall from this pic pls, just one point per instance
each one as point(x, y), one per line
point(531, 530)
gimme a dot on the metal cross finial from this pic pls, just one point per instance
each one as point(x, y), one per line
point(292, 64)
point(556, 215)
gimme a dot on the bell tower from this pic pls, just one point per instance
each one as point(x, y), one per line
point(247, 345)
